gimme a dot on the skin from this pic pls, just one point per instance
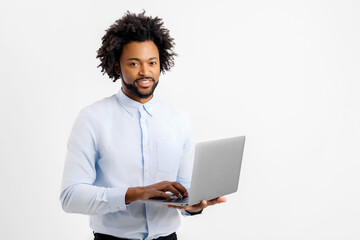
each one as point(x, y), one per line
point(203, 204)
point(140, 61)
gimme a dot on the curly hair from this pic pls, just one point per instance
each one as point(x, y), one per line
point(135, 27)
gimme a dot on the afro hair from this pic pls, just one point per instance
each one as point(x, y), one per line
point(135, 27)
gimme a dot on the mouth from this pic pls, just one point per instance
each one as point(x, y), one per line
point(144, 83)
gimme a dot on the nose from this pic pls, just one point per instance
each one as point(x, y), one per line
point(144, 70)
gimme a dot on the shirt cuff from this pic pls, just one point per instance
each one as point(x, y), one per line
point(186, 213)
point(116, 199)
point(194, 213)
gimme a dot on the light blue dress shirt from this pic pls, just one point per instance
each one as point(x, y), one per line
point(117, 143)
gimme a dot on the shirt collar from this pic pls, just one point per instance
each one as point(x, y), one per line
point(132, 106)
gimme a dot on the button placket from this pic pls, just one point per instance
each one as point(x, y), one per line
point(146, 158)
point(145, 145)
point(145, 154)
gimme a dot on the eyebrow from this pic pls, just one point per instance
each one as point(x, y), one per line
point(138, 59)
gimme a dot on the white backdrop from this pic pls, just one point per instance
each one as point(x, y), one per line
point(283, 73)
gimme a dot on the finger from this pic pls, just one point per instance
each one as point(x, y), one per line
point(180, 188)
point(216, 200)
point(176, 207)
point(174, 191)
point(163, 194)
point(203, 204)
point(196, 208)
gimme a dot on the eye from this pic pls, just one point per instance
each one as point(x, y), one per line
point(133, 64)
point(153, 63)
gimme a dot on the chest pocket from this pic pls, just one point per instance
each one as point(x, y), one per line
point(168, 156)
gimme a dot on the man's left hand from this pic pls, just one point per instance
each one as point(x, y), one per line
point(203, 204)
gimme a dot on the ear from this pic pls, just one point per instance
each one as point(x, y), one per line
point(117, 69)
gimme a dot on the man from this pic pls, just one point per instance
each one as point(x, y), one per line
point(131, 146)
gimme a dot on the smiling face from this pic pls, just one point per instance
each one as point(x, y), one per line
point(139, 69)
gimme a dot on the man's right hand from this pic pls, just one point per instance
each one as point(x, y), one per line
point(157, 190)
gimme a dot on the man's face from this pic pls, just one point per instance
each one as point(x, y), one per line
point(140, 70)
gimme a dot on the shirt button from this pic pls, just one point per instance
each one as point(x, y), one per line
point(149, 219)
point(146, 170)
point(144, 145)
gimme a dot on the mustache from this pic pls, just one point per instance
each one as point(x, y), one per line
point(144, 78)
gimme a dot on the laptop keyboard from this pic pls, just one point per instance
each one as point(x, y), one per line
point(177, 200)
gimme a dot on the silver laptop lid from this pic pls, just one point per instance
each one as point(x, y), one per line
point(216, 168)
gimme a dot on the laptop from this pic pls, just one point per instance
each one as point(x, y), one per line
point(216, 171)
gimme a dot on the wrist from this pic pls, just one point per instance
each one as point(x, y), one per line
point(133, 194)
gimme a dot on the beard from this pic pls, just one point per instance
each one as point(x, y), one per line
point(135, 90)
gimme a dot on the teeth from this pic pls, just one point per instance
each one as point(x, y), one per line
point(144, 81)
